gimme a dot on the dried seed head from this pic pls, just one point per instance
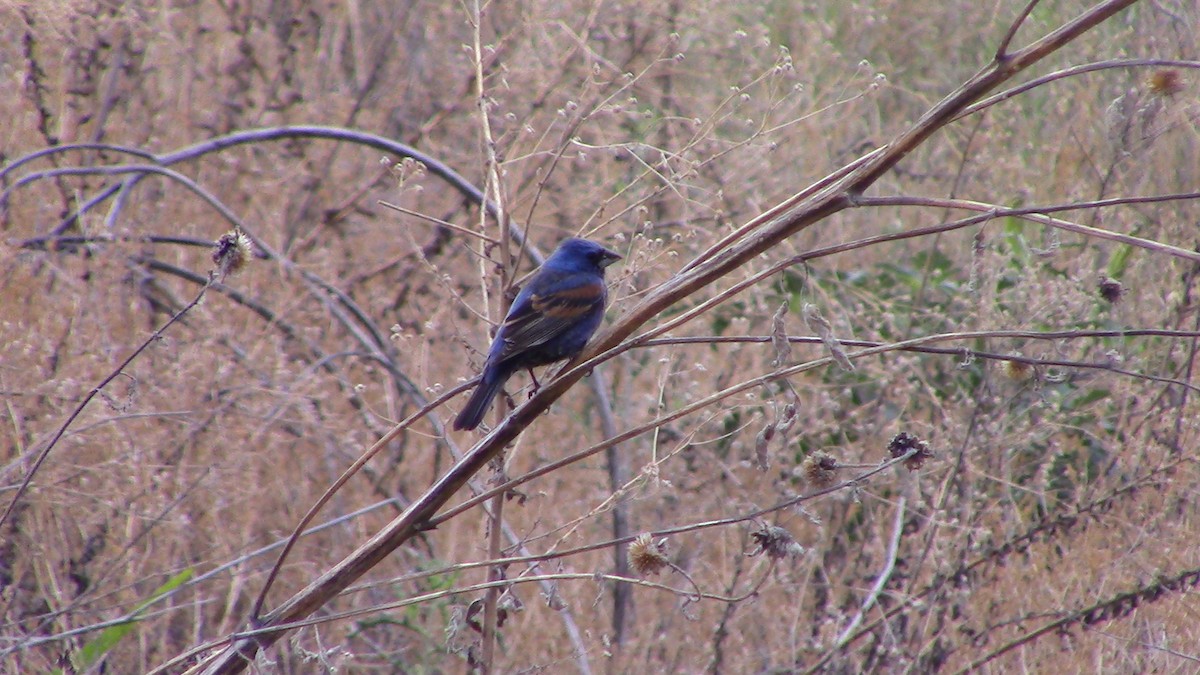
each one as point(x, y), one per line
point(779, 337)
point(509, 602)
point(789, 412)
point(233, 250)
point(821, 326)
point(1165, 82)
point(819, 469)
point(903, 443)
point(647, 556)
point(1111, 290)
point(1017, 371)
point(918, 460)
point(454, 629)
point(776, 542)
point(762, 447)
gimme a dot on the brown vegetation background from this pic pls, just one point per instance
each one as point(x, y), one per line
point(1054, 528)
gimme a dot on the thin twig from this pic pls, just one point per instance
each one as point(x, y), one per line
point(190, 583)
point(276, 630)
point(884, 575)
point(1036, 214)
point(1071, 72)
point(299, 529)
point(1105, 610)
point(1002, 48)
point(62, 429)
point(487, 657)
point(466, 231)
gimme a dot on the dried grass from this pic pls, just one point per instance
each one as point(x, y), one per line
point(1053, 528)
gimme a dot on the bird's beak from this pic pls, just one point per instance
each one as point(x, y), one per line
point(609, 258)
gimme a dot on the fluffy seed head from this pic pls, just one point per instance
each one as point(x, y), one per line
point(819, 469)
point(647, 556)
point(1017, 371)
point(233, 250)
point(1165, 82)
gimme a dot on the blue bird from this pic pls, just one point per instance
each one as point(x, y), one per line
point(552, 319)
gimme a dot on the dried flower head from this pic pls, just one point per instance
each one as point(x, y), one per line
point(903, 443)
point(647, 556)
point(1017, 371)
point(819, 469)
point(1111, 290)
point(1165, 82)
point(776, 542)
point(407, 171)
point(233, 250)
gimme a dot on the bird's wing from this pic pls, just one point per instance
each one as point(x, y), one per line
point(537, 318)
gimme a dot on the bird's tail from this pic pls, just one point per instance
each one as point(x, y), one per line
point(472, 413)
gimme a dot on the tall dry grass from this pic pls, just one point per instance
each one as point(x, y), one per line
point(1053, 527)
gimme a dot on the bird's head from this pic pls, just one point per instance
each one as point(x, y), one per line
point(574, 251)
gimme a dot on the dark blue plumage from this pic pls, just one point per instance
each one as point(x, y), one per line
point(552, 319)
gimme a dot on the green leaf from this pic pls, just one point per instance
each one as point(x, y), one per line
point(95, 650)
point(1119, 261)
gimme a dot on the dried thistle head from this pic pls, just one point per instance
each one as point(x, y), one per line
point(1165, 82)
point(819, 469)
point(903, 443)
point(231, 253)
point(1111, 290)
point(1017, 371)
point(776, 542)
point(647, 556)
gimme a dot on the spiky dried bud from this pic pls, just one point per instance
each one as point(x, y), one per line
point(647, 556)
point(1111, 290)
point(776, 542)
point(903, 443)
point(233, 250)
point(1165, 82)
point(1017, 371)
point(819, 469)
